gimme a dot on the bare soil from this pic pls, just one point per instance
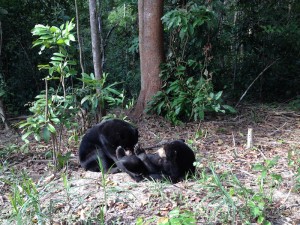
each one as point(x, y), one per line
point(219, 141)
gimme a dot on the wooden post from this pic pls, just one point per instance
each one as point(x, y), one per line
point(249, 138)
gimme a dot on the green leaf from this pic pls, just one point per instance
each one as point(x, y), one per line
point(177, 111)
point(256, 211)
point(67, 42)
point(229, 108)
point(24, 136)
point(218, 95)
point(46, 134)
point(276, 177)
point(181, 68)
point(174, 213)
point(59, 54)
point(23, 124)
point(37, 137)
point(54, 29)
point(60, 41)
point(258, 167)
point(260, 219)
point(57, 58)
point(264, 173)
point(84, 99)
point(139, 221)
point(114, 91)
point(267, 222)
point(55, 120)
point(272, 162)
point(71, 37)
point(51, 128)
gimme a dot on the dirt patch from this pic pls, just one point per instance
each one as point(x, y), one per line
point(219, 142)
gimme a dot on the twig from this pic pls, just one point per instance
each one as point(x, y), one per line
point(79, 38)
point(277, 129)
point(262, 154)
point(261, 73)
point(249, 174)
point(234, 145)
point(288, 195)
point(49, 160)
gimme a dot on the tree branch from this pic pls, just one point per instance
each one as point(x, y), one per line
point(261, 73)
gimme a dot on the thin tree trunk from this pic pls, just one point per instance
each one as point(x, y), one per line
point(95, 39)
point(2, 113)
point(151, 50)
point(96, 48)
point(79, 38)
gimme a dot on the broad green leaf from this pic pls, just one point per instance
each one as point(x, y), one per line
point(84, 99)
point(37, 136)
point(60, 41)
point(218, 95)
point(46, 134)
point(71, 37)
point(51, 128)
point(229, 108)
point(59, 54)
point(258, 167)
point(260, 219)
point(57, 58)
point(54, 29)
point(55, 120)
point(24, 136)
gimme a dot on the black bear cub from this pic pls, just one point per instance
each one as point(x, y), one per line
point(101, 141)
point(131, 165)
point(174, 162)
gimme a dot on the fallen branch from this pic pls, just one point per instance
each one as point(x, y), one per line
point(261, 73)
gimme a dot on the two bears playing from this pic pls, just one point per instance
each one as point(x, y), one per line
point(108, 141)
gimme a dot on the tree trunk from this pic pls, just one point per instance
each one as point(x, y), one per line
point(79, 37)
point(2, 115)
point(151, 50)
point(95, 36)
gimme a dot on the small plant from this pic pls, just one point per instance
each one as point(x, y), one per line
point(230, 201)
point(187, 89)
point(297, 179)
point(103, 208)
point(63, 160)
point(265, 175)
point(294, 163)
point(176, 216)
point(53, 108)
point(25, 202)
point(8, 149)
point(108, 96)
point(186, 97)
point(295, 104)
point(67, 186)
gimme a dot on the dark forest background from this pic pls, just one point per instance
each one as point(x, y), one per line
point(239, 40)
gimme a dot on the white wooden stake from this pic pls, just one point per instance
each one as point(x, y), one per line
point(249, 138)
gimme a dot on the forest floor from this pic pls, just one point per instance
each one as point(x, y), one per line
point(225, 190)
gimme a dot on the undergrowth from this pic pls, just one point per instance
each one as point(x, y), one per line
point(223, 197)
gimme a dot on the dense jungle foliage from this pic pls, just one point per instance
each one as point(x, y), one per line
point(225, 44)
point(218, 53)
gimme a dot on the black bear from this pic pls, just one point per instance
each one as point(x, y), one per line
point(174, 161)
point(132, 165)
point(101, 141)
